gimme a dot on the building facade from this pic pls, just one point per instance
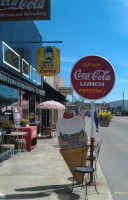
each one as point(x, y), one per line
point(20, 84)
point(119, 107)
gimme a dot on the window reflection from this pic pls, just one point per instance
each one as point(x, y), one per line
point(37, 108)
point(10, 57)
point(25, 104)
point(33, 74)
point(31, 107)
point(39, 79)
point(8, 97)
point(25, 68)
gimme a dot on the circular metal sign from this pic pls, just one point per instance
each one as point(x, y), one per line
point(92, 77)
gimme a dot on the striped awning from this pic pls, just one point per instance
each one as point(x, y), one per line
point(7, 79)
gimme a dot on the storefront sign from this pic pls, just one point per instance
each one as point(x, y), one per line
point(32, 115)
point(9, 108)
point(3, 109)
point(92, 77)
point(48, 61)
point(17, 116)
point(66, 90)
point(24, 9)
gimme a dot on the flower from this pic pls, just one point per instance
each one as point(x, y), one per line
point(8, 124)
point(24, 120)
point(105, 115)
point(1, 123)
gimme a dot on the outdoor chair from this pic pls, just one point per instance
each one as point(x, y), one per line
point(96, 151)
point(21, 143)
point(6, 146)
point(86, 170)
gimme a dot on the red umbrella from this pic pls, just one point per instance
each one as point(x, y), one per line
point(51, 105)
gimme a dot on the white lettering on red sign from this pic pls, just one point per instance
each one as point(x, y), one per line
point(97, 75)
point(24, 4)
point(34, 132)
point(92, 77)
point(98, 84)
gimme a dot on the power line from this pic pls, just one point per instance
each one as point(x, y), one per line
point(40, 42)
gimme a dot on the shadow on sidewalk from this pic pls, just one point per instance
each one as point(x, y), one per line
point(63, 192)
point(44, 137)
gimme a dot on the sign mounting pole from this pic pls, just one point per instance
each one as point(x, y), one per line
point(92, 140)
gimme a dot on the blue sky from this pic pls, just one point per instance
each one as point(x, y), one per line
point(90, 27)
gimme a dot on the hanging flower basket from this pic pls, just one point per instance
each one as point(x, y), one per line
point(104, 122)
point(104, 118)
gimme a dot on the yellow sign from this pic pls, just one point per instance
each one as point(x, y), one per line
point(48, 61)
point(32, 115)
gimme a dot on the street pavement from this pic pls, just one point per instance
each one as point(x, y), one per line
point(43, 174)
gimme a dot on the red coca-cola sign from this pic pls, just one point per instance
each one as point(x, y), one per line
point(92, 77)
point(24, 9)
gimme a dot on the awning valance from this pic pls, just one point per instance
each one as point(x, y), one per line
point(52, 94)
point(8, 79)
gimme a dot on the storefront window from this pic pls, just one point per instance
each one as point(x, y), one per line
point(33, 74)
point(39, 79)
point(25, 68)
point(25, 104)
point(8, 99)
point(37, 109)
point(10, 57)
point(31, 107)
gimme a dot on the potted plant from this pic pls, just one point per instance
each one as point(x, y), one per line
point(24, 122)
point(104, 118)
point(8, 126)
point(48, 131)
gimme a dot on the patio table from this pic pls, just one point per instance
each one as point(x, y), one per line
point(17, 136)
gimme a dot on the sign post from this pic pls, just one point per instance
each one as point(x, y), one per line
point(92, 140)
point(92, 77)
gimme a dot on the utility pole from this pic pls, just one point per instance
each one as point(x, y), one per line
point(123, 103)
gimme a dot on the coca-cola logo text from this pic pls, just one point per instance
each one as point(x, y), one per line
point(21, 5)
point(99, 75)
point(92, 77)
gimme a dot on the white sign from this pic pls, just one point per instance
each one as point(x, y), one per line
point(78, 139)
point(70, 125)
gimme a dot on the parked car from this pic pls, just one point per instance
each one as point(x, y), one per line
point(88, 113)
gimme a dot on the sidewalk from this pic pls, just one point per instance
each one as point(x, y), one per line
point(43, 174)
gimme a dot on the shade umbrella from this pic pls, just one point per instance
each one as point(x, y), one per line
point(51, 105)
